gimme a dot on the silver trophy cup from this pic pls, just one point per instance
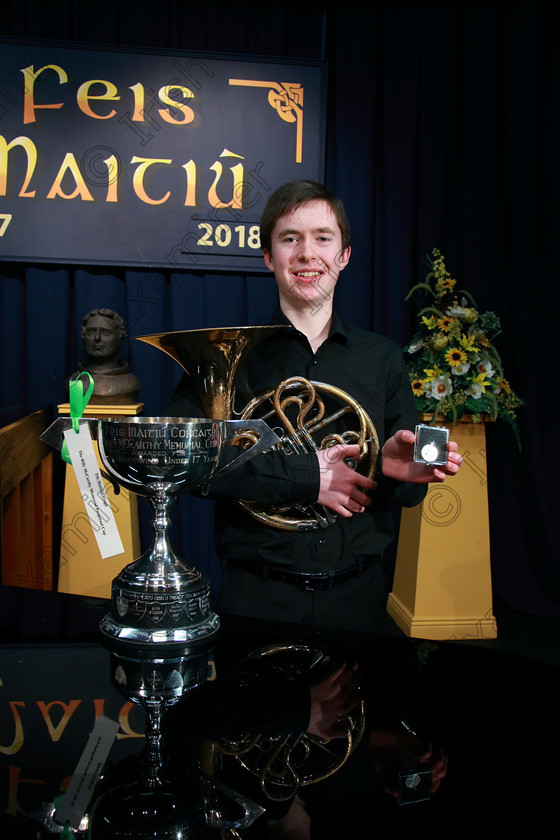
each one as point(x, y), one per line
point(160, 599)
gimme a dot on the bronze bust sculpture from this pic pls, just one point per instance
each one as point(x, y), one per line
point(114, 383)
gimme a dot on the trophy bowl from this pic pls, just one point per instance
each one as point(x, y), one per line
point(151, 455)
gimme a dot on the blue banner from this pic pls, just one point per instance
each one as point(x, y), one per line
point(157, 159)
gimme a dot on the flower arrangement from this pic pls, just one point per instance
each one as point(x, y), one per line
point(454, 368)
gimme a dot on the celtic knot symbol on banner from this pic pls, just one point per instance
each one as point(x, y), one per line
point(287, 99)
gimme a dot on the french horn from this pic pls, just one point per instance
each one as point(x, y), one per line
point(296, 410)
point(285, 762)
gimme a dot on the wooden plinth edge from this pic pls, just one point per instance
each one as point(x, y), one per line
point(441, 629)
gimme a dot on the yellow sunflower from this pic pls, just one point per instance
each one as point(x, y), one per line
point(445, 323)
point(455, 357)
point(417, 386)
point(445, 284)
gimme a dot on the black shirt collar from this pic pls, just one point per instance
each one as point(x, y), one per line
point(339, 330)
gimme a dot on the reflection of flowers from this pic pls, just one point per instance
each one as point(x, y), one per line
point(454, 368)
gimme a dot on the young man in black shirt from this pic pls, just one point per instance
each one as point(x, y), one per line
point(329, 575)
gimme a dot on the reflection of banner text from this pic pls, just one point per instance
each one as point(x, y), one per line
point(28, 719)
point(56, 730)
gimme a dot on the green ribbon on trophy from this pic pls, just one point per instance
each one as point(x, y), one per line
point(79, 398)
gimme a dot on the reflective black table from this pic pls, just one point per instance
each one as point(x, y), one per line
point(435, 734)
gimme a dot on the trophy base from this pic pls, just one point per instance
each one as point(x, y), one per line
point(171, 810)
point(170, 613)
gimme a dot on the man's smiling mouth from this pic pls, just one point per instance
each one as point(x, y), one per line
point(307, 275)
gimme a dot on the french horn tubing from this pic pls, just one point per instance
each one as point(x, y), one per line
point(296, 411)
point(285, 762)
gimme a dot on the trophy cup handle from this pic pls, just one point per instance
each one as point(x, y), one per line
point(54, 435)
point(213, 791)
point(255, 436)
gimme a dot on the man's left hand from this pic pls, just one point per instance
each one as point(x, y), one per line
point(397, 460)
point(393, 750)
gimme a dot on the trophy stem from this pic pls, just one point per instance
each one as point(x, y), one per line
point(160, 523)
point(153, 759)
point(146, 798)
point(159, 564)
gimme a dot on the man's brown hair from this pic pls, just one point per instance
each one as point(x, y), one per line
point(295, 194)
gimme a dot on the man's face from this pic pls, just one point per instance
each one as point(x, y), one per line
point(306, 254)
point(101, 339)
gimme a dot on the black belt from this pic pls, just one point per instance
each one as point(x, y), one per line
point(306, 581)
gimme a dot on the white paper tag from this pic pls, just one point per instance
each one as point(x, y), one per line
point(92, 490)
point(75, 801)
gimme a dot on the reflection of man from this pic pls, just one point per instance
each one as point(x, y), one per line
point(332, 575)
point(102, 333)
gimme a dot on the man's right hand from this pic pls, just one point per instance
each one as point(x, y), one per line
point(342, 489)
point(332, 700)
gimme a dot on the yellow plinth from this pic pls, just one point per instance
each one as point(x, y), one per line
point(82, 570)
point(442, 587)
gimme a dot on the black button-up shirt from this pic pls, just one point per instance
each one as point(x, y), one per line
point(370, 368)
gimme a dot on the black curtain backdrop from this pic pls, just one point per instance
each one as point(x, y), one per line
point(442, 131)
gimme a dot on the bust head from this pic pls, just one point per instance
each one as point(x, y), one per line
point(102, 333)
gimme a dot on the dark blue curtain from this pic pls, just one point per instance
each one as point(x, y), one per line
point(442, 132)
